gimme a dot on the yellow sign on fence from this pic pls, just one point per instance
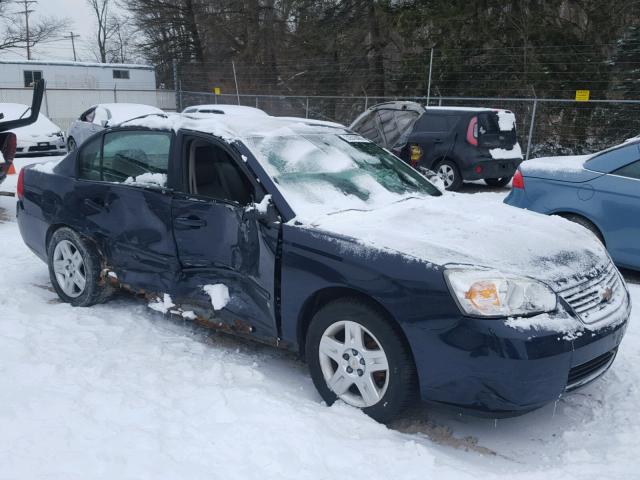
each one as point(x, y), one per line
point(582, 95)
point(216, 90)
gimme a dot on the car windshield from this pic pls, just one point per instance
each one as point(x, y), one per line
point(324, 173)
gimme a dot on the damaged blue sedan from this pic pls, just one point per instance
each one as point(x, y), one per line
point(306, 236)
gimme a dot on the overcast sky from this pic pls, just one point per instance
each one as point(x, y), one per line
point(82, 23)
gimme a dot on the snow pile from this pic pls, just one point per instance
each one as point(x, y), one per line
point(156, 179)
point(46, 167)
point(219, 294)
point(464, 229)
point(162, 305)
point(504, 154)
point(506, 120)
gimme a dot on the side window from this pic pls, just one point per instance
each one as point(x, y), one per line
point(121, 74)
point(89, 159)
point(631, 171)
point(31, 76)
point(214, 174)
point(100, 115)
point(127, 156)
point(368, 129)
point(88, 115)
point(430, 123)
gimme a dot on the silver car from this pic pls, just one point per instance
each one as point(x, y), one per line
point(104, 115)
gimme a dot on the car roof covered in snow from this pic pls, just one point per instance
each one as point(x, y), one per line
point(224, 109)
point(237, 127)
point(121, 112)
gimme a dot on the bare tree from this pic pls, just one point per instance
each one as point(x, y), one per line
point(14, 32)
point(102, 11)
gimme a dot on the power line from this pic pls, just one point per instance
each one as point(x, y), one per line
point(26, 12)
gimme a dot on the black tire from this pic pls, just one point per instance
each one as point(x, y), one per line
point(95, 290)
point(71, 144)
point(498, 182)
point(402, 381)
point(586, 223)
point(456, 181)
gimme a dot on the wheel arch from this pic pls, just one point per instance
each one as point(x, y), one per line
point(328, 294)
point(566, 212)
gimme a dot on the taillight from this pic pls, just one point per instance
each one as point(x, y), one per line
point(9, 146)
point(416, 154)
point(518, 180)
point(472, 132)
point(20, 186)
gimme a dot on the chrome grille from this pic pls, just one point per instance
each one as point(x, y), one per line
point(594, 297)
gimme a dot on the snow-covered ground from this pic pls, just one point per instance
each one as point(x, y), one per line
point(119, 391)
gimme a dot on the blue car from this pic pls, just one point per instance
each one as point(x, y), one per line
point(601, 192)
point(311, 238)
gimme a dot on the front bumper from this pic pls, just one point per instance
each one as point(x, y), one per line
point(491, 168)
point(47, 145)
point(492, 369)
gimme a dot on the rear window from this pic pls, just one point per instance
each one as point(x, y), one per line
point(126, 154)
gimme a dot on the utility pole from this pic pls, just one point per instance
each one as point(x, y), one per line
point(72, 36)
point(26, 12)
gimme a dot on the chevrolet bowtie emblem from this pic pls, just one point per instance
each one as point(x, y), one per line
point(607, 294)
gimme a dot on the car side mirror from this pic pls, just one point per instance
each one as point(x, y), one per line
point(265, 211)
point(104, 123)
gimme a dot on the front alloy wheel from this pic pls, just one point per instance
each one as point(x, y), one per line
point(354, 364)
point(357, 354)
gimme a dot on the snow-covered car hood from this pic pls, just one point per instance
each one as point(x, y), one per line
point(457, 229)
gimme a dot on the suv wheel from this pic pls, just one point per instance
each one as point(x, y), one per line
point(450, 175)
point(498, 182)
point(354, 354)
point(74, 269)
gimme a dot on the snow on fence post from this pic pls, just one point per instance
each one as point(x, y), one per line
point(115, 94)
point(174, 63)
point(531, 127)
point(429, 84)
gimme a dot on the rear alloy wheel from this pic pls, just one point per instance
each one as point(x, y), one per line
point(71, 145)
point(498, 182)
point(450, 175)
point(355, 355)
point(74, 269)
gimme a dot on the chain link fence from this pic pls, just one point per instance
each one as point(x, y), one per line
point(546, 126)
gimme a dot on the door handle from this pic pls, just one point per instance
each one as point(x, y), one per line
point(96, 205)
point(437, 140)
point(190, 221)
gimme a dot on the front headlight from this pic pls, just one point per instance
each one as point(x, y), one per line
point(489, 293)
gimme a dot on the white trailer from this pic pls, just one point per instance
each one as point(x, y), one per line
point(73, 87)
point(100, 76)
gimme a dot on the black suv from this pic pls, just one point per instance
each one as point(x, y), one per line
point(459, 143)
